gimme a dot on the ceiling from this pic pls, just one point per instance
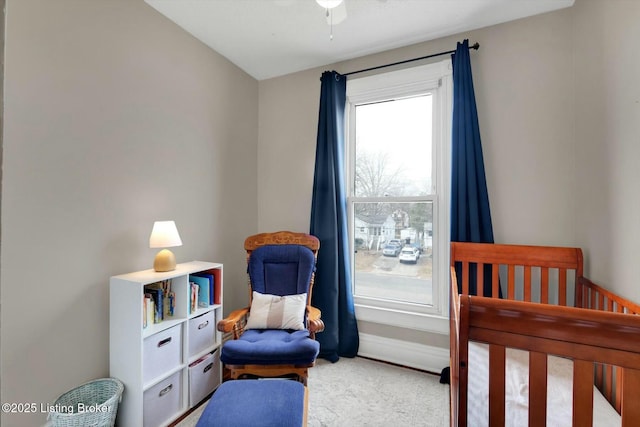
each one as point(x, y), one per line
point(269, 38)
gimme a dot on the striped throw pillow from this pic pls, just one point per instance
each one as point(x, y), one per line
point(277, 312)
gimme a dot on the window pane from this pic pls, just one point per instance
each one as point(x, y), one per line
point(393, 251)
point(393, 148)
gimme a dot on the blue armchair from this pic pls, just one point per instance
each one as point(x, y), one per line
point(275, 335)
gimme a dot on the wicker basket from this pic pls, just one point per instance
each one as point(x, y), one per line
point(93, 404)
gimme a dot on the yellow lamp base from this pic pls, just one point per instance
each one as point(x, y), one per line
point(165, 261)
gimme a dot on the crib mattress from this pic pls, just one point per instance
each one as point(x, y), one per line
point(559, 391)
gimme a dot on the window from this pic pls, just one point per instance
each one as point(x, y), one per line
point(398, 194)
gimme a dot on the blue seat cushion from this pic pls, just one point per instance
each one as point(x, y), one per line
point(270, 347)
point(250, 403)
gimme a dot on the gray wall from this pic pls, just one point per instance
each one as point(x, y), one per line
point(557, 96)
point(114, 118)
point(607, 135)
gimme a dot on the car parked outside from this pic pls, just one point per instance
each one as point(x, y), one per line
point(391, 249)
point(409, 254)
point(398, 242)
point(417, 246)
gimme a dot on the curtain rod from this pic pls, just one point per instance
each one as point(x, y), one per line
point(476, 46)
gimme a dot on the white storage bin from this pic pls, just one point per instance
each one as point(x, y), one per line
point(163, 401)
point(204, 377)
point(162, 352)
point(202, 332)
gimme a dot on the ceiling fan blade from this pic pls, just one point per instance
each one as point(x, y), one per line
point(337, 14)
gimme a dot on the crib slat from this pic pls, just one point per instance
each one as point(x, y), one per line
point(608, 378)
point(544, 285)
point(618, 370)
point(582, 393)
point(480, 280)
point(618, 401)
point(527, 283)
point(465, 278)
point(608, 369)
point(630, 408)
point(511, 282)
point(562, 286)
point(495, 281)
point(604, 382)
point(496, 385)
point(537, 389)
point(599, 377)
point(586, 298)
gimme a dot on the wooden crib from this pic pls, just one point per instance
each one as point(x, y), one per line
point(600, 333)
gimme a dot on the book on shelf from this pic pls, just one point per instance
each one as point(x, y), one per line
point(156, 296)
point(168, 297)
point(149, 310)
point(162, 299)
point(170, 304)
point(193, 296)
point(212, 280)
point(144, 312)
point(217, 286)
point(203, 291)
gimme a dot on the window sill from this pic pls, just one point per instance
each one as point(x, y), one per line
point(403, 319)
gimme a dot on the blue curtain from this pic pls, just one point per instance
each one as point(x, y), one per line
point(332, 289)
point(470, 213)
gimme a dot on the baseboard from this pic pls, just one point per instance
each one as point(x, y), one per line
point(413, 355)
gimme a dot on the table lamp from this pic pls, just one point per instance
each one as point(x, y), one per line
point(164, 235)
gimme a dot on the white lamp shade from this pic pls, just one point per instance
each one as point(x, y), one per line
point(329, 4)
point(164, 235)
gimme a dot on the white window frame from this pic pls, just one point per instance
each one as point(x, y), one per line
point(435, 79)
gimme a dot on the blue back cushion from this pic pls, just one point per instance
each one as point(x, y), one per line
point(281, 269)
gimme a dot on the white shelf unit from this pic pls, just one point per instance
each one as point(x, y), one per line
point(154, 361)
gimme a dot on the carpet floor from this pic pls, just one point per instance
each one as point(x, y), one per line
point(363, 392)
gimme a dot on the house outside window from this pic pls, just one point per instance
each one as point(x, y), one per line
point(398, 195)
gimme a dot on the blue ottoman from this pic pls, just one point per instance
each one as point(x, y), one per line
point(252, 403)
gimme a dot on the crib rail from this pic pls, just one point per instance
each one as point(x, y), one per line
point(553, 265)
point(603, 345)
point(608, 378)
point(585, 336)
